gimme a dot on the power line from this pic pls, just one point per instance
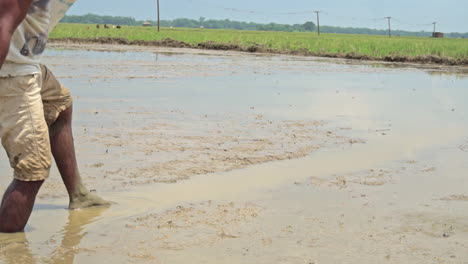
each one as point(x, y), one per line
point(247, 11)
point(353, 18)
point(412, 24)
point(304, 12)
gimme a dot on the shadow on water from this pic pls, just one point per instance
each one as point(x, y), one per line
point(45, 207)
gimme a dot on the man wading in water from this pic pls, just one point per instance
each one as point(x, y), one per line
point(35, 111)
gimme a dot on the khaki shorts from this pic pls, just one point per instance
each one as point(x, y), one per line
point(28, 106)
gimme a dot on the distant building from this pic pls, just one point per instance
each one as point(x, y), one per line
point(147, 24)
point(438, 35)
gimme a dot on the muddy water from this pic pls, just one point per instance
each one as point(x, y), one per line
point(306, 161)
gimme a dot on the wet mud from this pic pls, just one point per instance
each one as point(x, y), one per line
point(228, 158)
point(166, 147)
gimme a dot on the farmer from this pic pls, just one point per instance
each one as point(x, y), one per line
point(35, 111)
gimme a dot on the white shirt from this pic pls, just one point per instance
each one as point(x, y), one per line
point(30, 38)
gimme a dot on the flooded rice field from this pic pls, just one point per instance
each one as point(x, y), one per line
point(225, 157)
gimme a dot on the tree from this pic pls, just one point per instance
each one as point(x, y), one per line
point(229, 24)
point(202, 21)
point(309, 26)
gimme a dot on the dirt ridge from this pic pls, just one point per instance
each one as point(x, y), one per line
point(256, 48)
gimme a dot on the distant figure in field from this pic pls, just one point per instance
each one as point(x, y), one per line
point(98, 26)
point(119, 26)
point(106, 26)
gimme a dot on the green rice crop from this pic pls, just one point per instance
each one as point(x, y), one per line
point(369, 45)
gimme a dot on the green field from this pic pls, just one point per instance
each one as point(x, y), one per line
point(372, 46)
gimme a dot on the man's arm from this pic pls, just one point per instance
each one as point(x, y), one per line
point(12, 13)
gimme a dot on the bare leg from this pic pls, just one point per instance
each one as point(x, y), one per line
point(63, 150)
point(17, 205)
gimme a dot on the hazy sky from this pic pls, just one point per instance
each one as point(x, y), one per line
point(415, 15)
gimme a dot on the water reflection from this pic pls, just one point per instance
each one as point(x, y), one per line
point(73, 233)
point(458, 74)
point(15, 248)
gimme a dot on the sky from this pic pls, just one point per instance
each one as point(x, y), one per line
point(413, 15)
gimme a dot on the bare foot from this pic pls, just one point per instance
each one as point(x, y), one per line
point(87, 200)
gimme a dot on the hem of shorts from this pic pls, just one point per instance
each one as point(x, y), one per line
point(38, 175)
point(68, 104)
point(64, 106)
point(57, 111)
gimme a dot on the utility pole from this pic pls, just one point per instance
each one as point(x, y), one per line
point(389, 27)
point(434, 26)
point(159, 20)
point(318, 21)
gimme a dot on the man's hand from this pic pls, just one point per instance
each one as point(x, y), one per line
point(12, 13)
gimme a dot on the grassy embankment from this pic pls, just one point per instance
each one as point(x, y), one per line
point(415, 49)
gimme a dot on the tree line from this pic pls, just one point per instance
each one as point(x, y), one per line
point(190, 23)
point(240, 25)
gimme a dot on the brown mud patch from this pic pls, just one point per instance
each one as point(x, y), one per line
point(435, 225)
point(464, 147)
point(192, 225)
point(456, 198)
point(376, 177)
point(168, 146)
point(257, 48)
